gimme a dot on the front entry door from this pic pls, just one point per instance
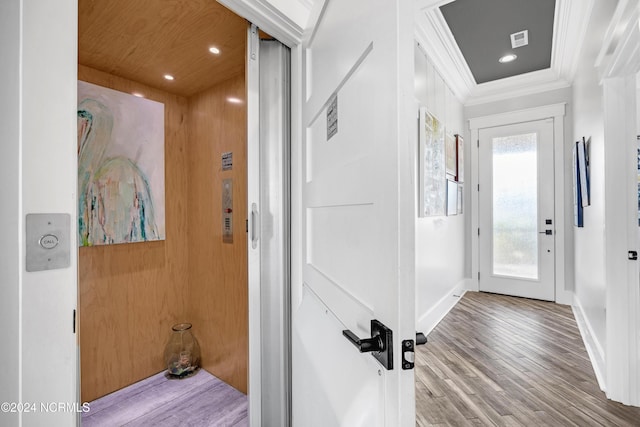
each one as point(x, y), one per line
point(357, 246)
point(516, 194)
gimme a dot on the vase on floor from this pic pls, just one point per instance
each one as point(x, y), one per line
point(182, 352)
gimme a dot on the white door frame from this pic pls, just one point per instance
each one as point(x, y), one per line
point(555, 112)
point(618, 72)
point(262, 14)
point(543, 285)
point(38, 158)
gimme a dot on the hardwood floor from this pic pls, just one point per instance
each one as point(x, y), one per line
point(504, 361)
point(201, 400)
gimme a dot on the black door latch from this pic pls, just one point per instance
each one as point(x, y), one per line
point(633, 255)
point(408, 350)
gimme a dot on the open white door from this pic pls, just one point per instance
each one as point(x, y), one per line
point(358, 218)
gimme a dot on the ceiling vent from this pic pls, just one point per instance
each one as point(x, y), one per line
point(519, 39)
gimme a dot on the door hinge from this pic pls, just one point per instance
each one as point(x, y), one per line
point(478, 275)
point(478, 144)
point(478, 231)
point(478, 187)
point(74, 321)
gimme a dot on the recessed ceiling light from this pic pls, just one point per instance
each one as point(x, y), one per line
point(214, 50)
point(138, 94)
point(233, 100)
point(168, 77)
point(507, 58)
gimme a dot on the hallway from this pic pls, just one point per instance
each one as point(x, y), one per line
point(499, 360)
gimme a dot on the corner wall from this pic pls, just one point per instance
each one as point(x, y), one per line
point(588, 118)
point(218, 283)
point(440, 241)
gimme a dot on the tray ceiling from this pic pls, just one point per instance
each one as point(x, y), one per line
point(467, 65)
point(482, 28)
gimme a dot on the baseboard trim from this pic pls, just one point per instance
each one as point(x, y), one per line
point(429, 320)
point(594, 348)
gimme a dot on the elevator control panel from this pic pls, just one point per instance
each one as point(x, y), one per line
point(48, 245)
point(227, 211)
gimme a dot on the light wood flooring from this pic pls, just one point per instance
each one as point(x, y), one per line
point(505, 361)
point(199, 401)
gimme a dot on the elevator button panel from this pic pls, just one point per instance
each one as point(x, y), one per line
point(48, 244)
point(227, 211)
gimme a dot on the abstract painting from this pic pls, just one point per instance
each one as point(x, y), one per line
point(120, 167)
point(433, 183)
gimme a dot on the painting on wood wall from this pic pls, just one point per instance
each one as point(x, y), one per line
point(433, 184)
point(120, 167)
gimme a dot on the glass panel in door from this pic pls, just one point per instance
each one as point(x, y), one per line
point(515, 206)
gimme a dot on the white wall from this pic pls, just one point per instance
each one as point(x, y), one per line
point(39, 171)
point(588, 118)
point(440, 241)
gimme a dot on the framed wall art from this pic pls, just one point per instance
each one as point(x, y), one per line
point(120, 167)
point(432, 179)
point(460, 157)
point(451, 150)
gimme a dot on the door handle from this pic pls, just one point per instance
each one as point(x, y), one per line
point(255, 226)
point(547, 232)
point(365, 345)
point(380, 345)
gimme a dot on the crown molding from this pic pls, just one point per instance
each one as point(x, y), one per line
point(433, 33)
point(620, 52)
point(437, 42)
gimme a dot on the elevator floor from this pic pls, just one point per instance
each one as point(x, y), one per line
point(201, 400)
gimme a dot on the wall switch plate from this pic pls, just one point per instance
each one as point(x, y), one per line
point(48, 241)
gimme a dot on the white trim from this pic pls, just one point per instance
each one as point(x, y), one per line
point(430, 319)
point(620, 223)
point(591, 343)
point(262, 14)
point(516, 86)
point(619, 61)
point(254, 254)
point(437, 42)
point(518, 116)
point(557, 113)
point(625, 47)
point(569, 29)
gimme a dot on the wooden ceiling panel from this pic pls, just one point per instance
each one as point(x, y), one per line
point(143, 40)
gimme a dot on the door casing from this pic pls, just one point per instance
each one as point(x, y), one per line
point(557, 113)
point(542, 287)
